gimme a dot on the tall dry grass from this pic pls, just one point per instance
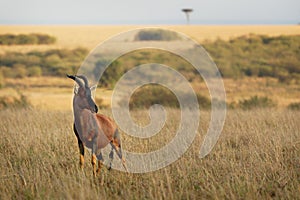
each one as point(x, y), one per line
point(257, 157)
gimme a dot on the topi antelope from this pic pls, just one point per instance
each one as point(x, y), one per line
point(95, 131)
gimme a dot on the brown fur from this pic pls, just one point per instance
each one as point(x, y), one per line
point(107, 125)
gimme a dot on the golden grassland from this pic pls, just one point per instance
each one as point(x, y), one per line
point(256, 157)
point(89, 36)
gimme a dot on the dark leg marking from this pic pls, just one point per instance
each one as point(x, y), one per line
point(111, 156)
point(81, 147)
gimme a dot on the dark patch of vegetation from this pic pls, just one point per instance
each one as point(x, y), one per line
point(128, 61)
point(57, 62)
point(255, 102)
point(149, 95)
point(252, 55)
point(294, 106)
point(2, 81)
point(258, 56)
point(25, 39)
point(156, 35)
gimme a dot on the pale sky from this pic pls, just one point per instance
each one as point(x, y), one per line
point(149, 11)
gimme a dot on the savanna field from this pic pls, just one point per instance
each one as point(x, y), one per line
point(256, 157)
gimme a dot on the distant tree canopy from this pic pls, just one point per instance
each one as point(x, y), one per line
point(156, 34)
point(25, 39)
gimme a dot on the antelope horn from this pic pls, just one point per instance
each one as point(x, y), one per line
point(84, 79)
point(76, 80)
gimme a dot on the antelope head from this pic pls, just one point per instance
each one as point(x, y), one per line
point(83, 96)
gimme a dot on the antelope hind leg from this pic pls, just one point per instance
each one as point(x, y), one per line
point(118, 149)
point(116, 144)
point(100, 163)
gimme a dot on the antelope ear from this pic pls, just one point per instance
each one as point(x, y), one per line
point(92, 88)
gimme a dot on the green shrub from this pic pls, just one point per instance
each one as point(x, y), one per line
point(24, 39)
point(34, 71)
point(7, 39)
point(265, 70)
point(256, 102)
point(2, 81)
point(294, 106)
point(112, 74)
point(7, 72)
point(45, 39)
point(204, 102)
point(149, 95)
point(20, 70)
